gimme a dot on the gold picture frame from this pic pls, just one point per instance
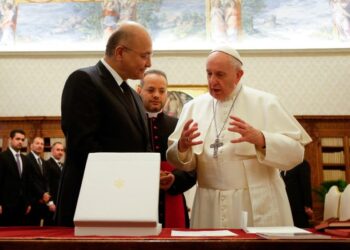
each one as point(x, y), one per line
point(178, 95)
point(191, 89)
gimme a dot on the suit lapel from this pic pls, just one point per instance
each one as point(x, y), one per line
point(113, 86)
point(141, 111)
point(35, 164)
point(13, 163)
point(24, 163)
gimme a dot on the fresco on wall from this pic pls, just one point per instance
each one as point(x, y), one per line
point(175, 24)
point(59, 24)
point(297, 22)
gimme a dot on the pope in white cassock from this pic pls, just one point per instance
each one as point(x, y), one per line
point(237, 139)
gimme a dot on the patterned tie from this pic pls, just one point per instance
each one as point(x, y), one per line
point(19, 166)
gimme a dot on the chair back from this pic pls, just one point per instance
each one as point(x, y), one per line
point(331, 203)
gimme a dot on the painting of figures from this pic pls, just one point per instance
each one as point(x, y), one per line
point(176, 24)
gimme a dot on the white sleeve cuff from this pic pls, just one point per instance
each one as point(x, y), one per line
point(185, 157)
point(50, 203)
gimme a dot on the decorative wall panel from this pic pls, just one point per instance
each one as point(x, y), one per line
point(308, 83)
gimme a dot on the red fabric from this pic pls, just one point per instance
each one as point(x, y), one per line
point(68, 233)
point(174, 205)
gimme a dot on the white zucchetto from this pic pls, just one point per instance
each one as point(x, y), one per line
point(228, 50)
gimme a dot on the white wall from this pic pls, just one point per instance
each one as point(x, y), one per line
point(309, 82)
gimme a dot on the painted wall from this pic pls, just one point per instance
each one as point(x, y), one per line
point(308, 82)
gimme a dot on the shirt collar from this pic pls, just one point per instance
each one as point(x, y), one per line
point(35, 155)
point(13, 151)
point(153, 114)
point(114, 73)
point(57, 161)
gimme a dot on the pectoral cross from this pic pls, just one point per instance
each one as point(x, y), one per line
point(216, 146)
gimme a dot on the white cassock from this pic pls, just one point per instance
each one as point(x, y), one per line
point(241, 178)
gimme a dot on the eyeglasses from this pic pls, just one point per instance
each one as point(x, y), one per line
point(144, 56)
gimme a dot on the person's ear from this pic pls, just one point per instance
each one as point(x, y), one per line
point(118, 52)
point(138, 89)
point(240, 73)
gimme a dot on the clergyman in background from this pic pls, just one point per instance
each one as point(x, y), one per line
point(172, 204)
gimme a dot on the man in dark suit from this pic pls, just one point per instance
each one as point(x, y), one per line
point(172, 204)
point(55, 165)
point(101, 113)
point(298, 186)
point(15, 179)
point(43, 206)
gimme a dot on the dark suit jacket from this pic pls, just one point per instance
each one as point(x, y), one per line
point(298, 186)
point(40, 185)
point(40, 180)
point(15, 194)
point(160, 129)
point(95, 118)
point(54, 177)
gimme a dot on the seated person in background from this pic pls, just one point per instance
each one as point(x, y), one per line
point(172, 204)
point(237, 139)
point(298, 186)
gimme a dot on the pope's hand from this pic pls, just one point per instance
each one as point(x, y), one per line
point(189, 133)
point(247, 132)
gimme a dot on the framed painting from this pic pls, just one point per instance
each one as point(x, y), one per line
point(80, 25)
point(178, 95)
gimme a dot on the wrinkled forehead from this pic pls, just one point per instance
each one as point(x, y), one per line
point(218, 58)
point(38, 140)
point(58, 147)
point(230, 52)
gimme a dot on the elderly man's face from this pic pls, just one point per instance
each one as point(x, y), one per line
point(38, 145)
point(57, 151)
point(137, 56)
point(222, 75)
